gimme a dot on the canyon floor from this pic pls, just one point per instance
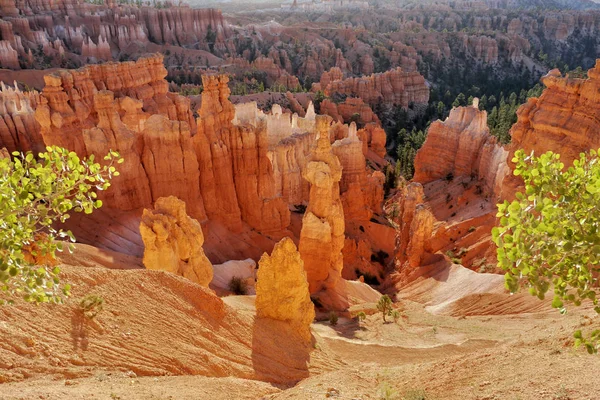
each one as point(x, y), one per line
point(423, 355)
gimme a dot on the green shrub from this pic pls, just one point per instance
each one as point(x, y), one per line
point(333, 318)
point(387, 392)
point(238, 286)
point(415, 394)
point(91, 305)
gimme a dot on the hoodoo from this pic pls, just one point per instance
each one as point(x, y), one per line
point(282, 289)
point(322, 235)
point(173, 241)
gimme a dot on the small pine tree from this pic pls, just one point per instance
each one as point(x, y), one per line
point(384, 305)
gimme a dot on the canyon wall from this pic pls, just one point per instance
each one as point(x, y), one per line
point(79, 31)
point(361, 193)
point(394, 87)
point(219, 169)
point(565, 119)
point(234, 165)
point(461, 172)
point(448, 211)
point(18, 128)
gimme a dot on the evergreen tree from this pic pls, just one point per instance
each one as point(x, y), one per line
point(460, 100)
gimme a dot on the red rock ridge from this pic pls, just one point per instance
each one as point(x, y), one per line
point(89, 32)
point(461, 146)
point(565, 119)
point(391, 87)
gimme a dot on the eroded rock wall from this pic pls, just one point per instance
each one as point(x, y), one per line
point(392, 87)
point(565, 119)
point(461, 146)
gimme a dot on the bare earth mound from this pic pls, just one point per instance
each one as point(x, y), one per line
point(153, 324)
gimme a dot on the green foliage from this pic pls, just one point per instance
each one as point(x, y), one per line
point(361, 316)
point(211, 37)
point(34, 194)
point(391, 178)
point(319, 97)
point(550, 235)
point(384, 305)
point(454, 257)
point(502, 117)
point(191, 90)
point(238, 286)
point(91, 305)
point(415, 394)
point(409, 143)
point(387, 392)
point(460, 100)
point(333, 318)
point(577, 73)
point(396, 315)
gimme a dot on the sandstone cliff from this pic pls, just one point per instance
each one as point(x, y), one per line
point(282, 289)
point(414, 223)
point(392, 87)
point(235, 166)
point(18, 128)
point(84, 32)
point(353, 109)
point(219, 169)
point(461, 146)
point(173, 241)
point(102, 107)
point(565, 120)
point(361, 193)
point(373, 138)
point(449, 209)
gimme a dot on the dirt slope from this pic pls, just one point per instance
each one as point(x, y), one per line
point(153, 324)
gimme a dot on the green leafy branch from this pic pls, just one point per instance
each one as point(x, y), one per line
point(550, 235)
point(34, 194)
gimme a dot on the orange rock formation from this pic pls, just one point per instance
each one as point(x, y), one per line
point(322, 235)
point(173, 241)
point(18, 128)
point(449, 208)
point(219, 169)
point(565, 120)
point(93, 32)
point(361, 194)
point(414, 222)
point(235, 166)
point(352, 109)
point(391, 87)
point(461, 146)
point(373, 138)
point(282, 289)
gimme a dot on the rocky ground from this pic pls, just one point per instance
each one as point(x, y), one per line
point(422, 355)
